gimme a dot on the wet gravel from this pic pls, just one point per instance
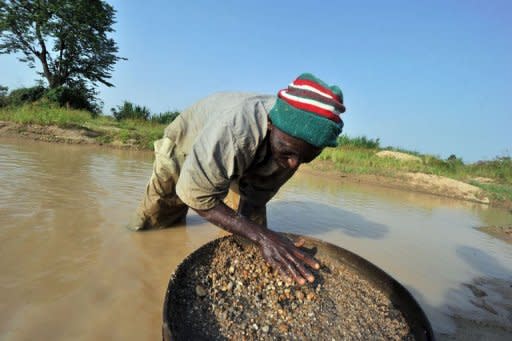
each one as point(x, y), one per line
point(234, 295)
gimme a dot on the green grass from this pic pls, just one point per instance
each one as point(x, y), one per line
point(140, 133)
point(358, 156)
point(498, 192)
point(45, 115)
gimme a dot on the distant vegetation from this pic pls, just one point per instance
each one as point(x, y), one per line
point(137, 127)
point(132, 111)
point(65, 97)
point(358, 155)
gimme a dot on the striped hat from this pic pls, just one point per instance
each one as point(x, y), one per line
point(310, 110)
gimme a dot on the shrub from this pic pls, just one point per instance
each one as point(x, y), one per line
point(79, 97)
point(360, 142)
point(22, 96)
point(130, 111)
point(165, 117)
point(454, 161)
point(3, 95)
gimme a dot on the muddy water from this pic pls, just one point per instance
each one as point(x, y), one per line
point(70, 270)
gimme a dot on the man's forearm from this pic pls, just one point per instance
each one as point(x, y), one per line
point(227, 219)
point(255, 212)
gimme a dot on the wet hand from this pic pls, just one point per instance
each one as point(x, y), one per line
point(285, 256)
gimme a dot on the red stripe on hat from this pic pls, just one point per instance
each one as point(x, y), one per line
point(311, 108)
point(318, 87)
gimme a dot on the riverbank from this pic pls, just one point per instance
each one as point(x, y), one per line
point(130, 137)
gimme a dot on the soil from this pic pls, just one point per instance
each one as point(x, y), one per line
point(398, 155)
point(234, 295)
point(55, 134)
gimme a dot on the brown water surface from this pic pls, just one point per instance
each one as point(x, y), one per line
point(70, 269)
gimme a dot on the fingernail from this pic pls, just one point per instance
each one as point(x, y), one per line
point(311, 279)
point(317, 266)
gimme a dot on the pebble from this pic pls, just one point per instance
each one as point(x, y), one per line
point(229, 286)
point(200, 291)
point(283, 328)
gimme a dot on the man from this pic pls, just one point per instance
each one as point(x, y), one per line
point(251, 144)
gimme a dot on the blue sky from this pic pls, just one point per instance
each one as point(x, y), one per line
point(430, 76)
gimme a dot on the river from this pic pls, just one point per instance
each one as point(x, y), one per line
point(71, 270)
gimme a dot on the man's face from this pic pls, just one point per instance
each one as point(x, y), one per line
point(288, 151)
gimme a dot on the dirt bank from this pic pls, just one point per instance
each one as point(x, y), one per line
point(55, 134)
point(418, 182)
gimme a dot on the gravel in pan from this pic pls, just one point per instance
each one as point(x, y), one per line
point(234, 295)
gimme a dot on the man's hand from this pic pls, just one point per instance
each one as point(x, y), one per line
point(278, 251)
point(287, 258)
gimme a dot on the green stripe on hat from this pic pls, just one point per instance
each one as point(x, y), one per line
point(314, 129)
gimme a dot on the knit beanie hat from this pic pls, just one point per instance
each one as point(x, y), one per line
point(310, 110)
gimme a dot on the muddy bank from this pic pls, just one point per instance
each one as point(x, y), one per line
point(55, 134)
point(418, 182)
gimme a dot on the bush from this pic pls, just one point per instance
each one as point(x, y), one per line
point(454, 161)
point(79, 97)
point(76, 97)
point(22, 96)
point(165, 118)
point(130, 111)
point(499, 168)
point(3, 95)
point(360, 142)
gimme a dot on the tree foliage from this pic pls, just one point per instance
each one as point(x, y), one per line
point(67, 37)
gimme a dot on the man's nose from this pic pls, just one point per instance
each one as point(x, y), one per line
point(293, 162)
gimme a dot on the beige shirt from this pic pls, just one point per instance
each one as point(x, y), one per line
point(223, 141)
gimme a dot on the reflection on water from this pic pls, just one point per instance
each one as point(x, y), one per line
point(71, 270)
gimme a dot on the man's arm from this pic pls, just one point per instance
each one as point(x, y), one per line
point(254, 212)
point(278, 251)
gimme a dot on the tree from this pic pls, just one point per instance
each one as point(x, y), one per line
point(68, 38)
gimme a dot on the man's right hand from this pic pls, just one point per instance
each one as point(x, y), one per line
point(279, 252)
point(285, 256)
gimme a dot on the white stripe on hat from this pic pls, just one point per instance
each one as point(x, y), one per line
point(321, 105)
point(310, 88)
